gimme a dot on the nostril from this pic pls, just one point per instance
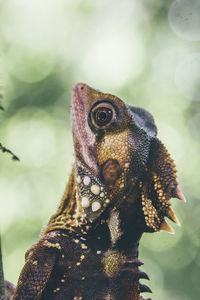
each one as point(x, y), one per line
point(80, 87)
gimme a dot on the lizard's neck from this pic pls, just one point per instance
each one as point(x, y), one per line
point(125, 222)
point(69, 215)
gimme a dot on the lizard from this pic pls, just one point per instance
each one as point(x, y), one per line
point(120, 187)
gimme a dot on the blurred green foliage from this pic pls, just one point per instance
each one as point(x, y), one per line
point(147, 53)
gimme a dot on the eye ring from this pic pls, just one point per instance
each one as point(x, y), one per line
point(102, 115)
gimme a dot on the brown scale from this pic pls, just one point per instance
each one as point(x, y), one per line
point(70, 214)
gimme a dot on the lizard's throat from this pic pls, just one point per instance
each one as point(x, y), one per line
point(70, 215)
point(84, 200)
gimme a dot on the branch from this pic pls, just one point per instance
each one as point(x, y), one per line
point(2, 286)
point(4, 149)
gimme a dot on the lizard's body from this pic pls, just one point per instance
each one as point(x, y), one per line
point(120, 186)
point(99, 264)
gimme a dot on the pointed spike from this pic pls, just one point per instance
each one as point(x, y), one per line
point(143, 275)
point(136, 262)
point(144, 288)
point(172, 216)
point(139, 262)
point(165, 226)
point(179, 194)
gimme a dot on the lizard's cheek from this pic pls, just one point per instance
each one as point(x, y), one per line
point(110, 171)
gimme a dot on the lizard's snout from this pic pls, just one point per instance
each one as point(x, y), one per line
point(79, 87)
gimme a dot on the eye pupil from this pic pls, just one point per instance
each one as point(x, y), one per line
point(103, 116)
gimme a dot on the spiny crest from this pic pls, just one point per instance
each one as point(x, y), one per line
point(160, 186)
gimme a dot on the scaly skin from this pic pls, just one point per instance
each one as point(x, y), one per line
point(119, 188)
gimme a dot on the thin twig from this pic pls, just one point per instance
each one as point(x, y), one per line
point(4, 149)
point(2, 286)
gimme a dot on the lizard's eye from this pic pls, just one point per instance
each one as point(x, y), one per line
point(102, 114)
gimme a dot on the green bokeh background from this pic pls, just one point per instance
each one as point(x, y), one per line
point(145, 52)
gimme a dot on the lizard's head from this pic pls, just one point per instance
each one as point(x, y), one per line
point(119, 160)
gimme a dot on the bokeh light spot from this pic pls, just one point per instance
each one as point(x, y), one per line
point(114, 58)
point(36, 139)
point(162, 241)
point(184, 18)
point(187, 76)
point(30, 66)
point(16, 194)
